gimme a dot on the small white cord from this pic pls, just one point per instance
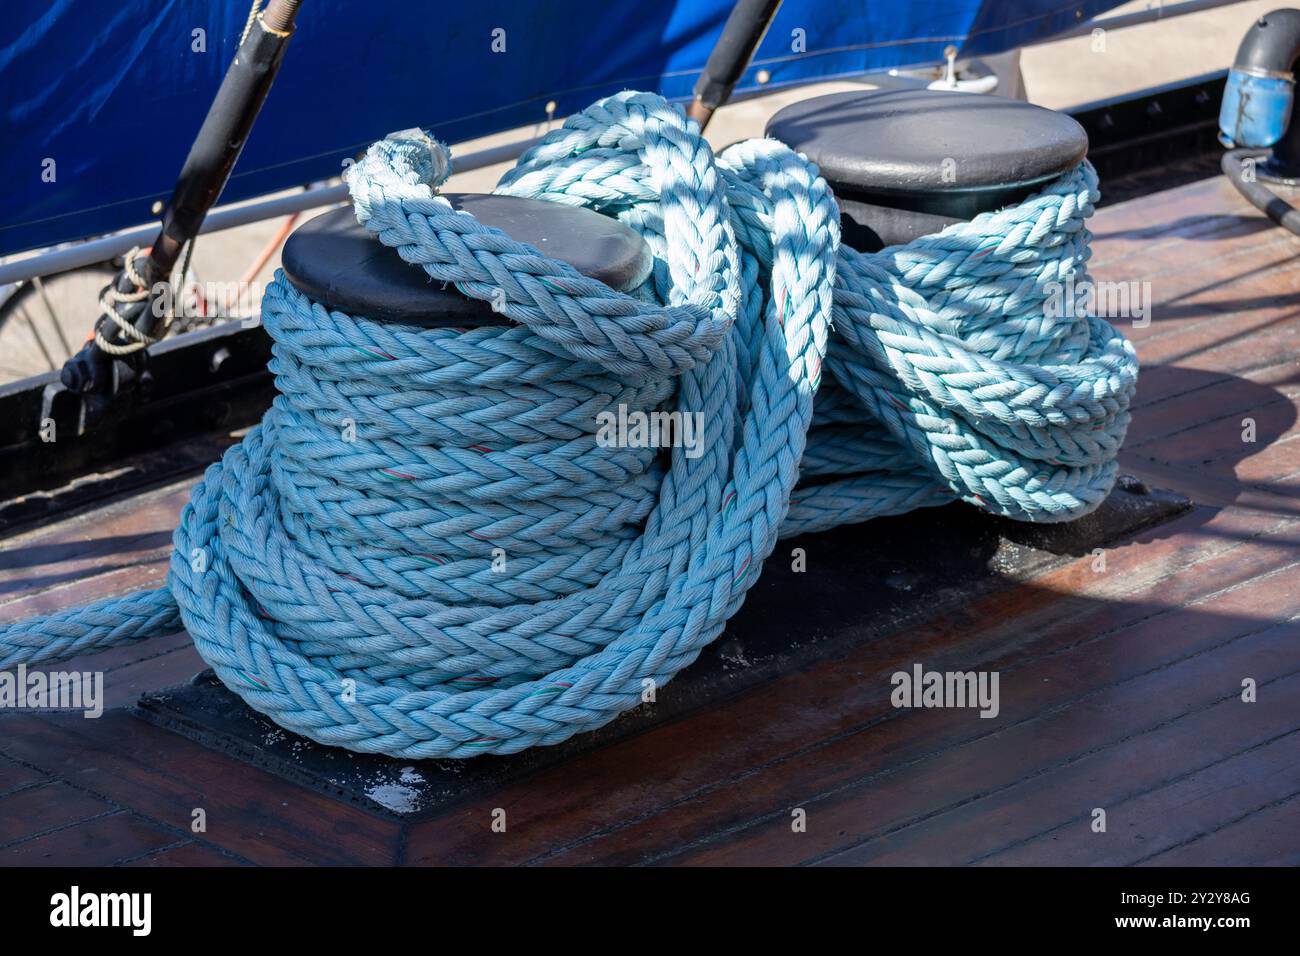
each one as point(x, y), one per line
point(112, 298)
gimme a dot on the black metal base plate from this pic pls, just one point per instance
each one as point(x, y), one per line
point(863, 582)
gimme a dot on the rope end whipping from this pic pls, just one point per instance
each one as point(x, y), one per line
point(403, 166)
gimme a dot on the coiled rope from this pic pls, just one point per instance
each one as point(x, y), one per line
point(424, 551)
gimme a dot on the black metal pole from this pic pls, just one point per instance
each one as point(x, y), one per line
point(741, 36)
point(221, 139)
point(207, 168)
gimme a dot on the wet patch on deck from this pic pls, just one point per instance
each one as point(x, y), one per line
point(861, 583)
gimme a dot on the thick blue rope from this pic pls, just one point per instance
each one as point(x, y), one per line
point(423, 549)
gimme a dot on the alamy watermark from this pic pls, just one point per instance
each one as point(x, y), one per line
point(921, 688)
point(659, 429)
point(1105, 300)
point(55, 690)
point(75, 909)
point(213, 301)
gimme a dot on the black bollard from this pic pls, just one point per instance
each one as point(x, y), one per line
point(335, 261)
point(905, 163)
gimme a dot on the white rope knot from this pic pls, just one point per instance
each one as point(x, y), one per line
point(109, 303)
point(112, 300)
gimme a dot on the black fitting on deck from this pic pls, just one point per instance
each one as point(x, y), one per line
point(1258, 113)
point(906, 163)
point(1269, 51)
point(1271, 45)
point(333, 260)
point(103, 379)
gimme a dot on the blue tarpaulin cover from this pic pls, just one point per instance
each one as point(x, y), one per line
point(113, 91)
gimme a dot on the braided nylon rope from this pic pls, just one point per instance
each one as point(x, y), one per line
point(424, 551)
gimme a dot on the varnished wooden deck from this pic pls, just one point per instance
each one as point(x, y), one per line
point(1119, 690)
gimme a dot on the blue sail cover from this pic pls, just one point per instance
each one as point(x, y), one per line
point(113, 91)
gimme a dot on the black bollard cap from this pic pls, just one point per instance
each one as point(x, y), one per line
point(335, 261)
point(933, 157)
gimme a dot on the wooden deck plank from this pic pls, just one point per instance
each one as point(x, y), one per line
point(857, 785)
point(165, 777)
point(101, 841)
point(874, 802)
point(122, 534)
point(16, 776)
point(1055, 809)
point(1232, 400)
point(1143, 827)
point(1262, 837)
point(1219, 444)
point(117, 581)
point(37, 810)
point(1194, 229)
point(189, 854)
point(1215, 365)
point(1209, 314)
